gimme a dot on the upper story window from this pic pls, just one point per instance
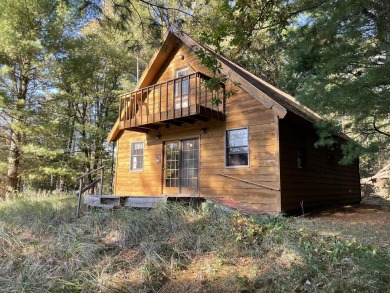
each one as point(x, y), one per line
point(137, 156)
point(237, 147)
point(181, 88)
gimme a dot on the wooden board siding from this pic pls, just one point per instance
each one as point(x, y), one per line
point(137, 182)
point(321, 181)
point(173, 63)
point(242, 110)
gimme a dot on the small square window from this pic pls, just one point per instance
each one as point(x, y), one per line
point(237, 148)
point(137, 156)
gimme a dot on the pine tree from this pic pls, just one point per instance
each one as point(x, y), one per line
point(30, 35)
point(338, 64)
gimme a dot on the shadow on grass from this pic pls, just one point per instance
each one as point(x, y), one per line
point(177, 252)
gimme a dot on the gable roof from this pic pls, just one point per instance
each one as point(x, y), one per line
point(271, 97)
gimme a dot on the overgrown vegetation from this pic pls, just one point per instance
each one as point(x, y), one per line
point(175, 248)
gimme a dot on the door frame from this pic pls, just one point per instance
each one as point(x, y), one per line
point(180, 163)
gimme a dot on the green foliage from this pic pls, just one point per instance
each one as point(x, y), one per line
point(32, 36)
point(253, 230)
point(337, 63)
point(330, 254)
point(87, 97)
point(60, 72)
point(217, 82)
point(231, 27)
point(333, 56)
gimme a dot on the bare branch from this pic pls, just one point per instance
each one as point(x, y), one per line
point(377, 128)
point(166, 8)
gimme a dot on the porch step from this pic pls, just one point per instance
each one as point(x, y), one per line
point(107, 206)
point(112, 201)
point(101, 201)
point(144, 201)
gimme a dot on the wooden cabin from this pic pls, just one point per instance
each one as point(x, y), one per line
point(255, 147)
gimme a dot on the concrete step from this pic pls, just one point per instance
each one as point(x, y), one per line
point(112, 201)
point(101, 201)
point(144, 201)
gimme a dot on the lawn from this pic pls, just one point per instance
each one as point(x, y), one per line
point(189, 248)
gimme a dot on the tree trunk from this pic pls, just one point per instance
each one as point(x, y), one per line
point(13, 165)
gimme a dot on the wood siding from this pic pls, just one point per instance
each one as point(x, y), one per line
point(242, 110)
point(321, 181)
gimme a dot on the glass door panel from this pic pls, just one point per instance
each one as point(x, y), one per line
point(189, 166)
point(171, 168)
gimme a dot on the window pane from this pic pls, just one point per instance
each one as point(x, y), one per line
point(237, 160)
point(237, 147)
point(134, 164)
point(237, 137)
point(137, 156)
point(181, 89)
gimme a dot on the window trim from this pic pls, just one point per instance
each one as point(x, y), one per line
point(131, 156)
point(226, 147)
point(181, 69)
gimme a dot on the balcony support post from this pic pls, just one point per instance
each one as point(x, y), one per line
point(181, 96)
point(166, 97)
point(224, 100)
point(173, 98)
point(159, 104)
point(189, 96)
point(154, 101)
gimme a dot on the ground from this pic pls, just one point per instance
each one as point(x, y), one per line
point(185, 248)
point(367, 222)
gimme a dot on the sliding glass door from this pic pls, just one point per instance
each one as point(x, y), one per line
point(181, 167)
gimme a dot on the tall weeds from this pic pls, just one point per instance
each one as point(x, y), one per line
point(173, 248)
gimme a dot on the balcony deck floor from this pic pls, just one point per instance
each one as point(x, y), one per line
point(176, 117)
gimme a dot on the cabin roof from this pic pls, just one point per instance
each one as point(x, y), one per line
point(271, 97)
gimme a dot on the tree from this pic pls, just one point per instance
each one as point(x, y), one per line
point(30, 36)
point(97, 67)
point(61, 69)
point(337, 63)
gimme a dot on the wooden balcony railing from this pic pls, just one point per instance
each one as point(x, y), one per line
point(177, 101)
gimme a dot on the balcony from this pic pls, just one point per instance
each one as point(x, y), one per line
point(175, 102)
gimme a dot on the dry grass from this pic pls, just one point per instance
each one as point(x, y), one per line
point(176, 248)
